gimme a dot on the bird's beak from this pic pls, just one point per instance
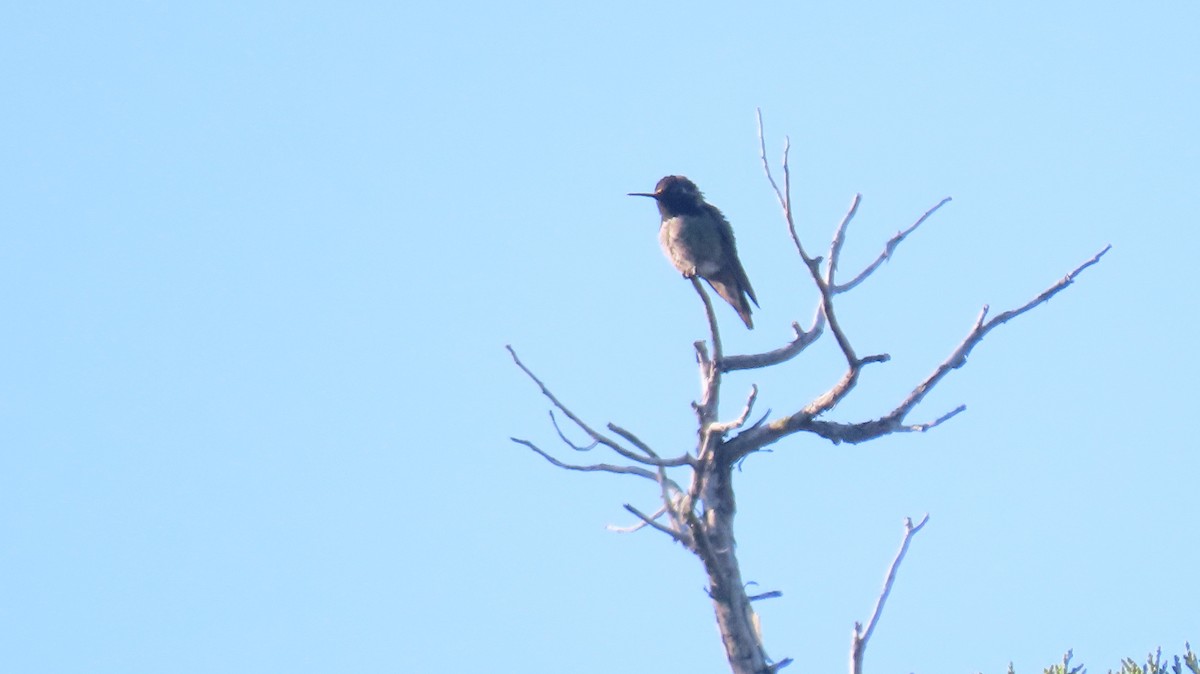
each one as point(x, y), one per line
point(643, 194)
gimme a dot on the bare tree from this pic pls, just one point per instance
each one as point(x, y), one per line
point(695, 489)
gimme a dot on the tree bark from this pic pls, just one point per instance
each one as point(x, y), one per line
point(717, 549)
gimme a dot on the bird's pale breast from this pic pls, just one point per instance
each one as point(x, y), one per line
point(691, 243)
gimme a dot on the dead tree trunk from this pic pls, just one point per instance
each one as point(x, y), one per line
point(716, 548)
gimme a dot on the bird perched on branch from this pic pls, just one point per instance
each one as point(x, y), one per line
point(698, 240)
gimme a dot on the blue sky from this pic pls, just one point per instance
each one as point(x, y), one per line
point(259, 262)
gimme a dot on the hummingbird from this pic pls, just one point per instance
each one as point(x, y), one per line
point(698, 240)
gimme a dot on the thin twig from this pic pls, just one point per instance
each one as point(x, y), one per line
point(839, 239)
point(783, 196)
point(651, 523)
point(888, 249)
point(632, 439)
point(666, 484)
point(587, 468)
point(562, 436)
point(787, 199)
point(637, 442)
point(594, 434)
point(921, 428)
point(958, 357)
point(635, 527)
point(813, 264)
point(762, 150)
point(858, 643)
point(723, 428)
point(787, 352)
point(754, 439)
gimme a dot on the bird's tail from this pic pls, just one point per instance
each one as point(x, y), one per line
point(733, 293)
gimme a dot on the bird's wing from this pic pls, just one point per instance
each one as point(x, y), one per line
point(726, 232)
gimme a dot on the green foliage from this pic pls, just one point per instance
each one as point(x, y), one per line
point(1187, 664)
point(1064, 668)
point(1155, 665)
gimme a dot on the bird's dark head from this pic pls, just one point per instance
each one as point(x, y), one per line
point(676, 195)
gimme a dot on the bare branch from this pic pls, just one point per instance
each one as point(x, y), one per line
point(840, 390)
point(784, 353)
point(858, 643)
point(566, 441)
point(756, 438)
point(834, 326)
point(649, 521)
point(787, 200)
point(784, 196)
point(684, 460)
point(563, 408)
point(723, 428)
point(706, 412)
point(632, 439)
point(711, 314)
point(762, 150)
point(636, 527)
point(1049, 292)
point(959, 357)
point(710, 373)
point(814, 269)
point(888, 249)
point(673, 498)
point(666, 484)
point(587, 468)
point(921, 428)
point(826, 401)
point(595, 435)
point(839, 238)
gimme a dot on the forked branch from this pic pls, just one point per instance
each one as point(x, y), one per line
point(888, 248)
point(958, 357)
point(648, 457)
point(807, 418)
